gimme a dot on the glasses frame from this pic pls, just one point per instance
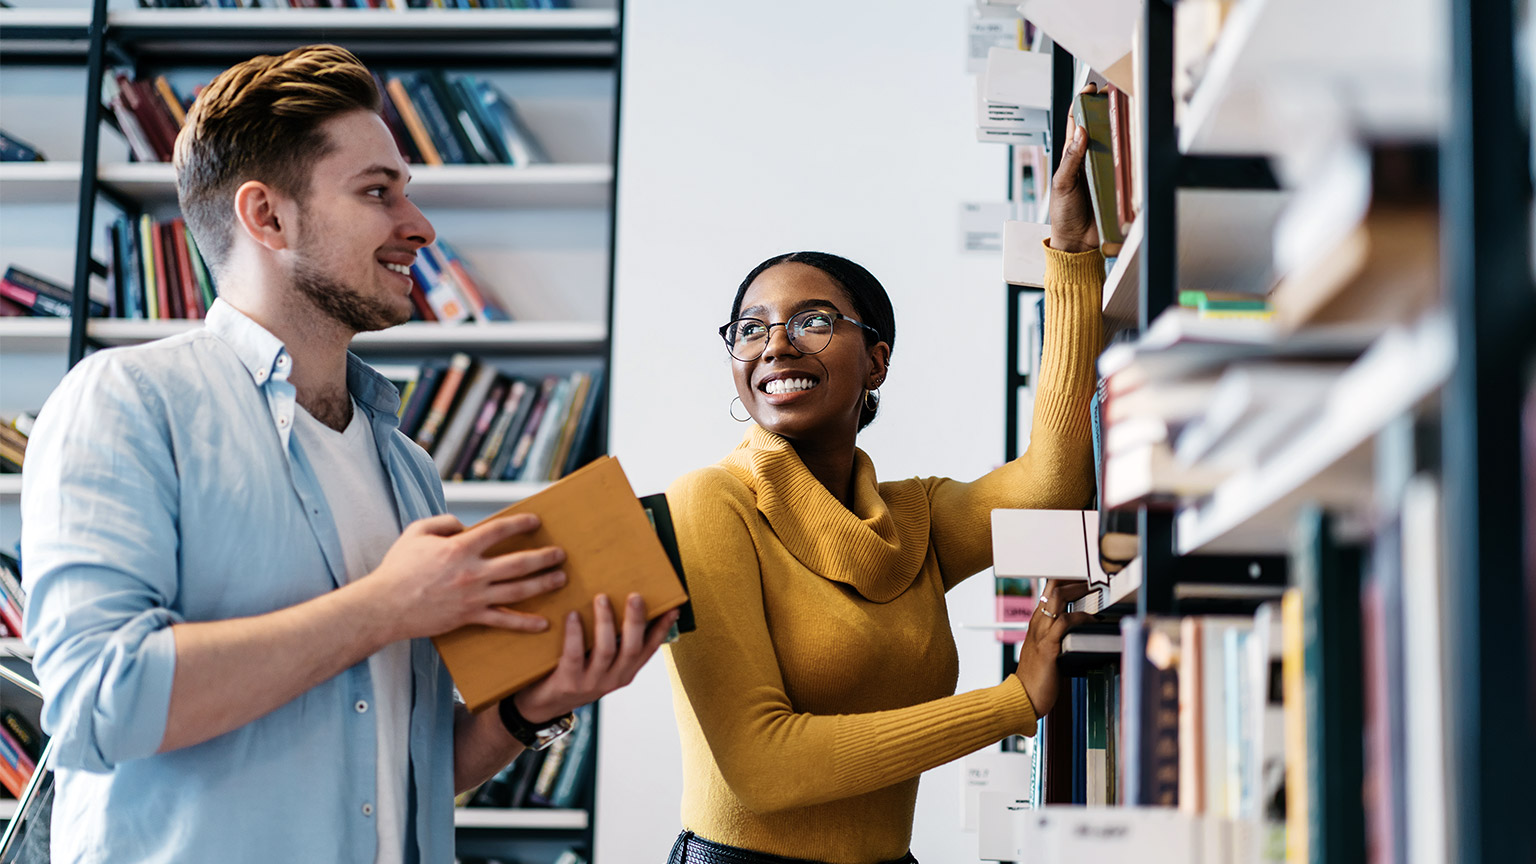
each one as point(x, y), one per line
point(788, 333)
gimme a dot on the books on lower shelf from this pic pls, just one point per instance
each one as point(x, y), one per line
point(556, 777)
point(157, 272)
point(480, 423)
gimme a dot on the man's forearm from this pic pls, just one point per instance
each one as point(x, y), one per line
point(230, 673)
point(481, 747)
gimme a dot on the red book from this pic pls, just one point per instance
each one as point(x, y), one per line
point(192, 295)
point(172, 271)
point(162, 287)
point(1120, 149)
point(152, 115)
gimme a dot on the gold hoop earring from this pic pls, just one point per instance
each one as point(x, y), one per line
point(735, 400)
point(872, 400)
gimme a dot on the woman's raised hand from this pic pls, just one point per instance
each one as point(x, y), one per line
point(1072, 225)
point(1042, 644)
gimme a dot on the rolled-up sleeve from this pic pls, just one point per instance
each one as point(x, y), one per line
point(99, 558)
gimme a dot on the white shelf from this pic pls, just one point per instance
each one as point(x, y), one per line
point(11, 646)
point(7, 808)
point(1329, 462)
point(39, 182)
point(10, 486)
point(1209, 259)
point(1122, 288)
point(1286, 72)
point(486, 492)
point(519, 817)
point(545, 186)
point(34, 334)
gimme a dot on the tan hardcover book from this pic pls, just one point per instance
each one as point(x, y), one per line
point(610, 549)
point(172, 104)
point(412, 120)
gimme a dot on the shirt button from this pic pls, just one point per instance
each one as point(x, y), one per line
point(361, 706)
point(282, 362)
point(367, 809)
point(261, 374)
point(282, 420)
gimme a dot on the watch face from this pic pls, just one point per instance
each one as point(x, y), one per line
point(553, 731)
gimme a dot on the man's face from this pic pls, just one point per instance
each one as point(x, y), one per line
point(356, 232)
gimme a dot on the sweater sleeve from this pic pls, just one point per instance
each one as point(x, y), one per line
point(1056, 471)
point(727, 679)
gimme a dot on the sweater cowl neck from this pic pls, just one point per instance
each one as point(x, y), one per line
point(877, 548)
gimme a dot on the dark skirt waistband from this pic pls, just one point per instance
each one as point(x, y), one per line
point(690, 848)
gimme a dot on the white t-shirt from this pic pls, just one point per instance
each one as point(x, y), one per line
point(347, 465)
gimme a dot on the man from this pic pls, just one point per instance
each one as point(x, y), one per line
point(230, 624)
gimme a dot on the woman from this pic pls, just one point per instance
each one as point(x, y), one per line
point(820, 682)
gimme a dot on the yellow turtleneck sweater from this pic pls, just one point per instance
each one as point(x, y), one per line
point(821, 679)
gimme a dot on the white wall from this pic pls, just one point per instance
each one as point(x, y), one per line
point(754, 129)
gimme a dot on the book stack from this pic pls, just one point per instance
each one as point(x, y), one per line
point(482, 424)
point(555, 777)
point(445, 290)
point(437, 118)
point(12, 600)
point(1175, 399)
point(13, 149)
point(157, 272)
point(1076, 755)
point(13, 441)
point(1106, 117)
point(24, 293)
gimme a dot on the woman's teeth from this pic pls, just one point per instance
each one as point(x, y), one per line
point(788, 385)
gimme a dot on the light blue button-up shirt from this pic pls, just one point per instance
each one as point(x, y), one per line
point(164, 484)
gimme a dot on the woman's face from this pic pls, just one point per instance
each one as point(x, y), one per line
point(812, 395)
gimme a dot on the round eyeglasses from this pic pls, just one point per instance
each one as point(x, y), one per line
point(809, 332)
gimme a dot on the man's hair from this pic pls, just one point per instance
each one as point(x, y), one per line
point(260, 120)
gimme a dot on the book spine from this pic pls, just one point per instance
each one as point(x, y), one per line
point(413, 122)
point(515, 465)
point(565, 440)
point(496, 436)
point(171, 102)
point(581, 443)
point(485, 308)
point(442, 297)
point(204, 277)
point(462, 419)
point(481, 429)
point(435, 116)
point(442, 402)
point(39, 304)
point(542, 448)
point(165, 253)
point(571, 781)
point(397, 127)
point(146, 244)
point(191, 294)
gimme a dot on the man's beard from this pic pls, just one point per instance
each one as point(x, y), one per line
point(349, 308)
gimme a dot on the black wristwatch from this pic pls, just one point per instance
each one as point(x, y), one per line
point(533, 736)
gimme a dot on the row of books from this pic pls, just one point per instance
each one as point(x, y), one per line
point(157, 272)
point(555, 777)
point(400, 5)
point(12, 600)
point(479, 423)
point(21, 745)
point(436, 118)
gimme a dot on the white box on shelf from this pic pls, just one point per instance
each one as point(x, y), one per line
point(1047, 544)
point(1023, 254)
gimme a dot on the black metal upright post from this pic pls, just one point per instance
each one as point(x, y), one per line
point(85, 227)
point(1486, 196)
point(1063, 71)
point(1159, 262)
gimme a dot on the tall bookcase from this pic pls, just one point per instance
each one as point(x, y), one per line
point(539, 237)
point(1311, 515)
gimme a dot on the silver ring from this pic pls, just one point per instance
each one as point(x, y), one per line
point(1047, 613)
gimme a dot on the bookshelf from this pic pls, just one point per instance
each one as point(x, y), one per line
point(1394, 510)
point(539, 236)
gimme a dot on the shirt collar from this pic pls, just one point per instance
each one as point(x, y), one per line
point(265, 357)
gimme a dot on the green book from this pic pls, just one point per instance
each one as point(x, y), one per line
point(1091, 111)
